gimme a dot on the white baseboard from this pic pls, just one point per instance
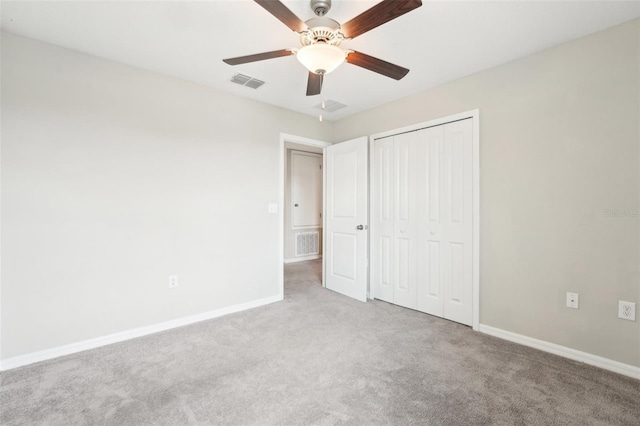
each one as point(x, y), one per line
point(72, 348)
point(303, 258)
point(576, 355)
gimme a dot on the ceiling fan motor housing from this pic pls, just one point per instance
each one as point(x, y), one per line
point(320, 7)
point(321, 37)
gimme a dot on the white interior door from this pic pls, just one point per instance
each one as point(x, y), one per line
point(306, 189)
point(346, 227)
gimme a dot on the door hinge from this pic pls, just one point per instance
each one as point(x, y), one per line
point(320, 166)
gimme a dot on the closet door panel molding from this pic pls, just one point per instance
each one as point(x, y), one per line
point(458, 214)
point(425, 215)
point(382, 220)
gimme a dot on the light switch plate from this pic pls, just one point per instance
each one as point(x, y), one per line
point(272, 207)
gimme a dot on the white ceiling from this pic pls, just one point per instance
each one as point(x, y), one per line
point(439, 42)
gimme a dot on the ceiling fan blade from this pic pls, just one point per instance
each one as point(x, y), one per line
point(258, 57)
point(314, 84)
point(280, 11)
point(379, 14)
point(376, 65)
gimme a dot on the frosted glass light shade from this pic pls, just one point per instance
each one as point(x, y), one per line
point(321, 58)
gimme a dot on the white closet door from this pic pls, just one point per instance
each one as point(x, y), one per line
point(422, 219)
point(446, 239)
point(431, 295)
point(457, 237)
point(382, 219)
point(406, 223)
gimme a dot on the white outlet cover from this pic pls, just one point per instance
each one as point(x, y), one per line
point(626, 310)
point(572, 300)
point(272, 207)
point(173, 281)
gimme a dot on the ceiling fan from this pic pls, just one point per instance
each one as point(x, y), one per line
point(321, 37)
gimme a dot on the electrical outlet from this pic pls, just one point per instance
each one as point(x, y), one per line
point(626, 310)
point(173, 281)
point(572, 300)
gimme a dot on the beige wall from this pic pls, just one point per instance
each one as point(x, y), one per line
point(114, 178)
point(559, 145)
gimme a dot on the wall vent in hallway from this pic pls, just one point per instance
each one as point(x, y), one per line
point(307, 243)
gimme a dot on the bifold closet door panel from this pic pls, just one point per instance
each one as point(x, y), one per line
point(406, 223)
point(430, 247)
point(457, 199)
point(382, 219)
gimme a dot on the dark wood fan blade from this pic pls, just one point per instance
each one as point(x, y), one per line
point(314, 84)
point(258, 57)
point(280, 11)
point(377, 65)
point(379, 14)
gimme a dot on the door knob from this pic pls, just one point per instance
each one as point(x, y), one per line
point(295, 205)
point(361, 227)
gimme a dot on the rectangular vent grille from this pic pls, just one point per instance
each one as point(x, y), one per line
point(245, 80)
point(307, 243)
point(330, 105)
point(254, 83)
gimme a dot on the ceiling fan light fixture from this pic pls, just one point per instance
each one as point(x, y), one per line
point(321, 58)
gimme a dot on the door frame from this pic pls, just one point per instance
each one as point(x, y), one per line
point(287, 138)
point(475, 115)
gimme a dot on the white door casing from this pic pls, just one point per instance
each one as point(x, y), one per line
point(346, 210)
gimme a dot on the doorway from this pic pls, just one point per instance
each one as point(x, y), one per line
point(301, 205)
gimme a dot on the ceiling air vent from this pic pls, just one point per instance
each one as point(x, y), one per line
point(330, 105)
point(245, 80)
point(254, 83)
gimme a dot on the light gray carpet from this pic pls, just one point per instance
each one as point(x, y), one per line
point(317, 358)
